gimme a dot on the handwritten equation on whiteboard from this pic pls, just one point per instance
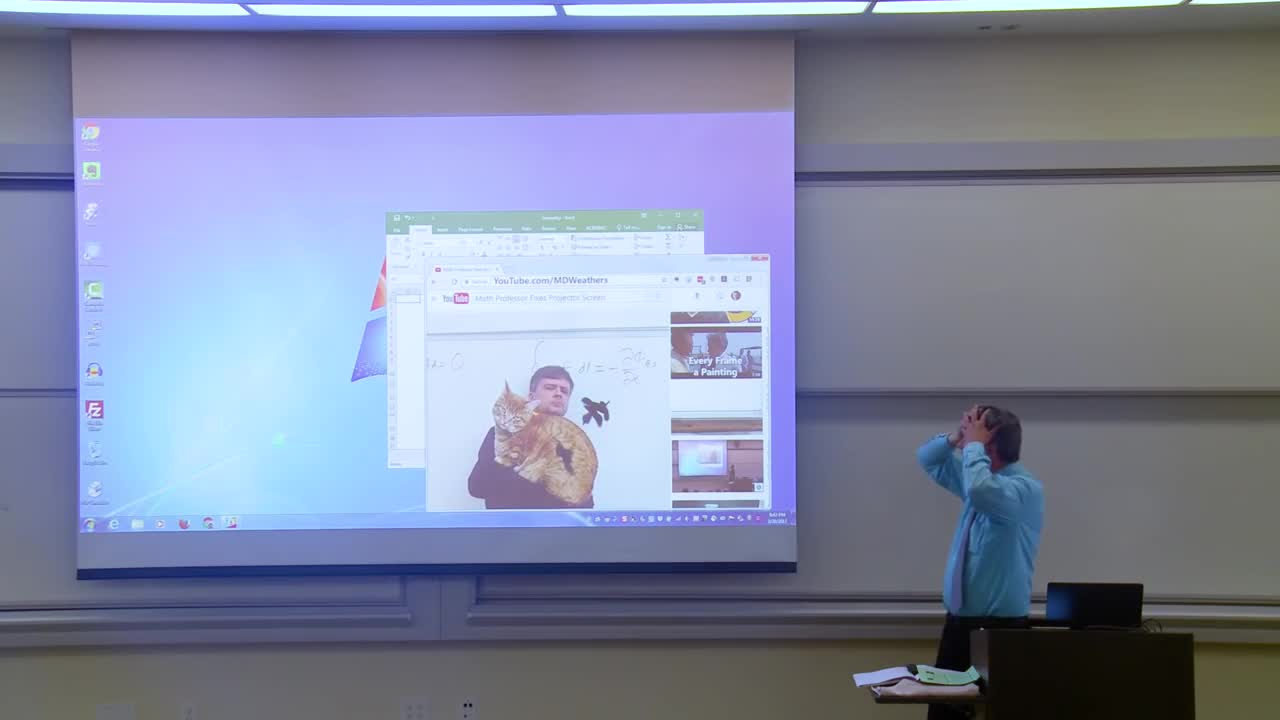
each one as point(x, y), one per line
point(454, 362)
point(627, 363)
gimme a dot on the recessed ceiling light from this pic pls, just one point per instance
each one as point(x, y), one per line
point(959, 6)
point(1234, 2)
point(715, 9)
point(406, 11)
point(92, 7)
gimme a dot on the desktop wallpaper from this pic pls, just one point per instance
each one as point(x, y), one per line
point(231, 286)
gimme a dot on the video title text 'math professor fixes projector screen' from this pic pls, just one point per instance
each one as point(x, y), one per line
point(393, 305)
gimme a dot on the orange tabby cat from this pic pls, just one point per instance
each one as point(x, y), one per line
point(544, 449)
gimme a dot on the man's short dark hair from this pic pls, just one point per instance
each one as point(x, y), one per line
point(1008, 433)
point(549, 372)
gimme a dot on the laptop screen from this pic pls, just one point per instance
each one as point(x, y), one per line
point(1079, 605)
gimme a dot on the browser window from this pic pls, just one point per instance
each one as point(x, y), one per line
point(661, 369)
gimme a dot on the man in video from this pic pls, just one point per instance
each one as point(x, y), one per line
point(682, 348)
point(501, 487)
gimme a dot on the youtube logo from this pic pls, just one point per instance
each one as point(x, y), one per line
point(461, 298)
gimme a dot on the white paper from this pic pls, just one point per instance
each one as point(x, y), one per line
point(910, 689)
point(879, 677)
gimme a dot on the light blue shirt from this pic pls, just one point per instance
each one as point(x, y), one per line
point(1004, 538)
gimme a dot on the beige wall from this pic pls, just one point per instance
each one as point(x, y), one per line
point(35, 91)
point(1036, 89)
point(618, 681)
point(1040, 89)
point(318, 75)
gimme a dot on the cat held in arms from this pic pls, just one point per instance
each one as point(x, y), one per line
point(548, 450)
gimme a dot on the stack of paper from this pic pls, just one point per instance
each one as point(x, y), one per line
point(910, 689)
point(921, 682)
point(882, 677)
point(930, 675)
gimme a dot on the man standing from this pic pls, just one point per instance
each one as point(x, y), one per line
point(993, 551)
point(501, 487)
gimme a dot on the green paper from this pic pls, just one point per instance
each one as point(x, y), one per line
point(930, 675)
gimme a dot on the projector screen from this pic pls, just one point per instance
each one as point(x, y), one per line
point(385, 337)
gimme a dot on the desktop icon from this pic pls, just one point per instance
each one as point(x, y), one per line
point(93, 289)
point(92, 253)
point(95, 451)
point(137, 524)
point(91, 333)
point(114, 524)
point(230, 521)
point(95, 409)
point(90, 212)
point(159, 524)
point(208, 523)
point(90, 524)
point(95, 489)
point(184, 523)
point(89, 133)
point(93, 370)
point(91, 171)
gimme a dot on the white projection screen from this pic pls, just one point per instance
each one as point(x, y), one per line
point(371, 304)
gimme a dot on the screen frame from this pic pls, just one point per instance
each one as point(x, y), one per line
point(650, 74)
point(768, 549)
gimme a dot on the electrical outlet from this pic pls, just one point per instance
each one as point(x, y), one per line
point(187, 711)
point(413, 708)
point(467, 710)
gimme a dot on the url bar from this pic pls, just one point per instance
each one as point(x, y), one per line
point(516, 299)
point(567, 281)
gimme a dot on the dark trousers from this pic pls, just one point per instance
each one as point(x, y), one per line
point(953, 654)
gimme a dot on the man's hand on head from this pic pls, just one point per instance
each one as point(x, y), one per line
point(957, 436)
point(976, 427)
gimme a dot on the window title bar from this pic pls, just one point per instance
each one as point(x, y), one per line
point(569, 221)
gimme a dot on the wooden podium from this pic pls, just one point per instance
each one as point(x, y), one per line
point(1051, 674)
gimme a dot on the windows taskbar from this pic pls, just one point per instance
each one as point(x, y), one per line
point(693, 517)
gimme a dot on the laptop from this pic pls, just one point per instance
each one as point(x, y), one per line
point(1094, 605)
